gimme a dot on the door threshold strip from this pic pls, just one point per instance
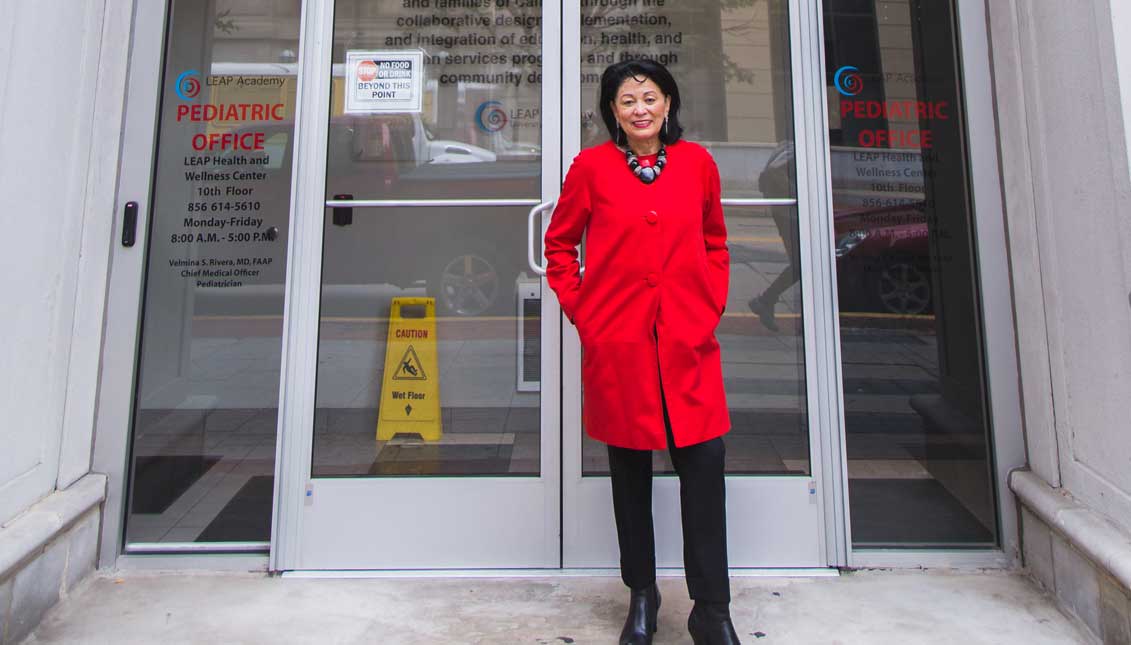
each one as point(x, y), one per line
point(543, 573)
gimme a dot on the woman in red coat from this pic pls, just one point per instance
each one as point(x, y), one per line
point(654, 290)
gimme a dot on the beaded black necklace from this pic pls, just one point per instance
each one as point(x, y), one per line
point(647, 174)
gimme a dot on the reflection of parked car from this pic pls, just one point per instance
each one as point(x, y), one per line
point(883, 261)
point(505, 148)
point(467, 257)
point(448, 151)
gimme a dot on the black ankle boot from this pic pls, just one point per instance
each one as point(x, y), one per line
point(710, 624)
point(641, 621)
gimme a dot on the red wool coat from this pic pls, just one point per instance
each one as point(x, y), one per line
point(653, 292)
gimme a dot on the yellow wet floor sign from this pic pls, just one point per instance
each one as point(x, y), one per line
point(410, 386)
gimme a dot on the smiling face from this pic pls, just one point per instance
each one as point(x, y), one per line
point(640, 108)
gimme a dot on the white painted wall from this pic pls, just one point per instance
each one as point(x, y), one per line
point(1121, 29)
point(60, 91)
point(1068, 195)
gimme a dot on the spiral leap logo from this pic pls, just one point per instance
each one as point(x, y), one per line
point(848, 81)
point(188, 87)
point(490, 116)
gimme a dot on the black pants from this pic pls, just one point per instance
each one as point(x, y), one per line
point(702, 492)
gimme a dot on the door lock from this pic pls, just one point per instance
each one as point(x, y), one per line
point(343, 215)
point(129, 225)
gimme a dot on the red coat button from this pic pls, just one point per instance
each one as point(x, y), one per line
point(652, 217)
point(653, 279)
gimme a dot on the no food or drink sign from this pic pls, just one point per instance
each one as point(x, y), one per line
point(384, 81)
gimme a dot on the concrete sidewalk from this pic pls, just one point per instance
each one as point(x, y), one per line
point(866, 608)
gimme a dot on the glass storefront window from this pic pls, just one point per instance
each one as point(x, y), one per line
point(919, 460)
point(203, 444)
point(732, 63)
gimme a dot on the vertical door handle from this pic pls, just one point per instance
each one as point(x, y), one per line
point(535, 265)
point(343, 215)
point(129, 225)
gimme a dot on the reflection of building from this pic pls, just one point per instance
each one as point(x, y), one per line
point(982, 280)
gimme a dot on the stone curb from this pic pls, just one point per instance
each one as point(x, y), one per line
point(1101, 540)
point(27, 534)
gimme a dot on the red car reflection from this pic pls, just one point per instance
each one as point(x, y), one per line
point(883, 259)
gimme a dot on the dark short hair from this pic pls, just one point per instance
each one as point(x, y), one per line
point(639, 69)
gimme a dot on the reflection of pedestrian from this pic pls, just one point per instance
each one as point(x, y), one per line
point(777, 180)
point(657, 269)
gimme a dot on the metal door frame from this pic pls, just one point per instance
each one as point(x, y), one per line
point(124, 297)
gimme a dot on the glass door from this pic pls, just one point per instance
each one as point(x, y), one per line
point(420, 401)
point(431, 403)
point(742, 69)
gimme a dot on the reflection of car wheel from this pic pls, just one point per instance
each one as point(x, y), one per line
point(903, 288)
point(468, 284)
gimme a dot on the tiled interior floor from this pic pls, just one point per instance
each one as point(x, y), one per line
point(768, 439)
point(491, 428)
point(242, 439)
